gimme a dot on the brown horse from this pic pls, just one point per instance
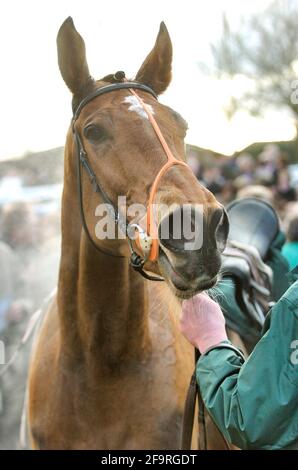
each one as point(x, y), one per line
point(110, 369)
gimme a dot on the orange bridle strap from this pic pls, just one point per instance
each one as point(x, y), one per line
point(171, 161)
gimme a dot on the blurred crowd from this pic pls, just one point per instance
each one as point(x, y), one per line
point(266, 175)
point(29, 260)
point(269, 176)
point(29, 255)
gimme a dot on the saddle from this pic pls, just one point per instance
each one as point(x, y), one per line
point(253, 222)
point(253, 227)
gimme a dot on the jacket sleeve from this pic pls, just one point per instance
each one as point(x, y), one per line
point(255, 403)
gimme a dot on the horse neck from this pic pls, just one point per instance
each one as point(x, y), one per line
point(102, 302)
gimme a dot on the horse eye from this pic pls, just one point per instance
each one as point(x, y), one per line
point(95, 133)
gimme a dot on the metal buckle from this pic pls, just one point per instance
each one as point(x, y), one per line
point(144, 241)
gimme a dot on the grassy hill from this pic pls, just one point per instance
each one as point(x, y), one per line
point(36, 168)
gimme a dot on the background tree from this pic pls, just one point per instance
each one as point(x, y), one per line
point(263, 50)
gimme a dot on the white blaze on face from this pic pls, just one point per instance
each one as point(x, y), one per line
point(136, 106)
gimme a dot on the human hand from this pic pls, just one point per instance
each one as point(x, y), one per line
point(202, 322)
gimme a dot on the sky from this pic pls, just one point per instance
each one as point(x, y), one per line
point(35, 102)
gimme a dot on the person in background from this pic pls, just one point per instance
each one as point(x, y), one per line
point(290, 249)
point(265, 173)
point(8, 284)
point(258, 191)
point(19, 229)
point(213, 179)
point(246, 166)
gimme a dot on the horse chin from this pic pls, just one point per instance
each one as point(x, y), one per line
point(181, 288)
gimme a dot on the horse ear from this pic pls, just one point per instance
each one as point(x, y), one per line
point(156, 70)
point(72, 58)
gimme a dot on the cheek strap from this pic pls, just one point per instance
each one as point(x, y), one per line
point(152, 230)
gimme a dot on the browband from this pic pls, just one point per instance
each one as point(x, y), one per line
point(107, 89)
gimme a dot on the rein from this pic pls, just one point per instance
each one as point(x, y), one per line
point(194, 396)
point(147, 241)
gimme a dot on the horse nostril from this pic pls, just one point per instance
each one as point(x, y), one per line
point(168, 232)
point(221, 229)
point(185, 229)
point(182, 229)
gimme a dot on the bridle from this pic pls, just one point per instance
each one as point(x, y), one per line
point(146, 241)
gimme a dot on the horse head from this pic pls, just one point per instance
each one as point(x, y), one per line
point(126, 156)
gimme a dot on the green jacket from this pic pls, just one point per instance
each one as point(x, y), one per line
point(255, 402)
point(290, 252)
